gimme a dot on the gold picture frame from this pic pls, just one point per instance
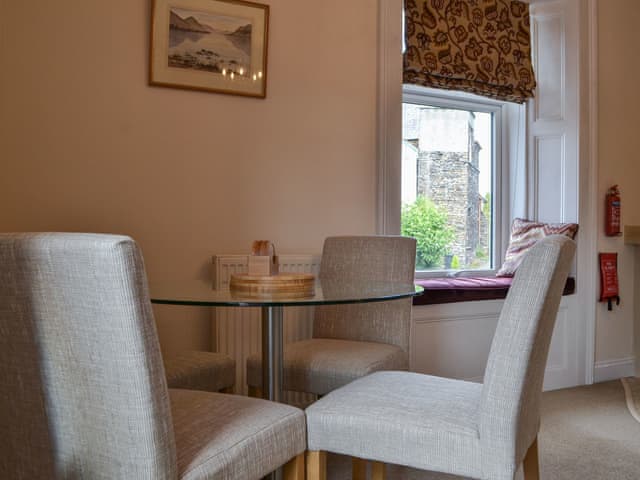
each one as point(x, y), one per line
point(211, 45)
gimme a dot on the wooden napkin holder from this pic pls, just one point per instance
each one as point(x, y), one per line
point(262, 265)
point(263, 259)
point(263, 280)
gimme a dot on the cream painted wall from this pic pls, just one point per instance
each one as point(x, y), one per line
point(87, 145)
point(619, 160)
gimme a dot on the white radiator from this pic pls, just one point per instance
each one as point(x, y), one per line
point(239, 330)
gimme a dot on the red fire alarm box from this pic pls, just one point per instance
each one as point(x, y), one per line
point(609, 279)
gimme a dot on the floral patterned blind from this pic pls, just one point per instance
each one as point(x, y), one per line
point(477, 46)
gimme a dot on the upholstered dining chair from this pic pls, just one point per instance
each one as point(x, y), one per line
point(350, 341)
point(200, 370)
point(482, 431)
point(83, 392)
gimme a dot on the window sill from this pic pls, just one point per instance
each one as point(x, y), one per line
point(470, 289)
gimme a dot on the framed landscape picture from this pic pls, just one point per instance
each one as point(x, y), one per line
point(213, 45)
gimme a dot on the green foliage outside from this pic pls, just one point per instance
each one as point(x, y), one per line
point(486, 207)
point(429, 226)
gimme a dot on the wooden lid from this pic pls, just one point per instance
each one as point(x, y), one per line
point(281, 285)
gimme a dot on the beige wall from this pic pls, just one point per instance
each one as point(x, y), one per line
point(87, 145)
point(619, 159)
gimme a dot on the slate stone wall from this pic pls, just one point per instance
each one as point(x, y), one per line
point(450, 179)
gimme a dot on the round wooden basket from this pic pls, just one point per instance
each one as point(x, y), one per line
point(290, 285)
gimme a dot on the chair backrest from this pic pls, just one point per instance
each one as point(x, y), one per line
point(509, 413)
point(82, 386)
point(367, 259)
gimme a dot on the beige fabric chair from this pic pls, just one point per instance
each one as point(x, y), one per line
point(198, 370)
point(350, 341)
point(83, 392)
point(482, 431)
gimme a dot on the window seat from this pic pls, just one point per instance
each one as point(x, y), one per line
point(469, 289)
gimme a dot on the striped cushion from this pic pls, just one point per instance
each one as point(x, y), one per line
point(524, 235)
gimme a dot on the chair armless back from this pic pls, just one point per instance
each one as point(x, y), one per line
point(364, 259)
point(83, 392)
point(510, 405)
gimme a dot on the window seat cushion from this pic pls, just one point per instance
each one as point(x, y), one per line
point(469, 289)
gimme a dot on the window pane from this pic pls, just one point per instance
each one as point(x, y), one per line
point(447, 157)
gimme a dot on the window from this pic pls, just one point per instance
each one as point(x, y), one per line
point(451, 180)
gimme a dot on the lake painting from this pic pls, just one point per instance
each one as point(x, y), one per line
point(209, 42)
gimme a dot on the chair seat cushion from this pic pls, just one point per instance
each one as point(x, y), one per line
point(196, 370)
point(402, 418)
point(320, 365)
point(228, 436)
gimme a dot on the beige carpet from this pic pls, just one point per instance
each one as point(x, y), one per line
point(587, 433)
point(632, 392)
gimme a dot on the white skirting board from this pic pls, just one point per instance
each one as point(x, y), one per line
point(613, 369)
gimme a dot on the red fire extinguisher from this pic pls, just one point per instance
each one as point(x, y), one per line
point(612, 212)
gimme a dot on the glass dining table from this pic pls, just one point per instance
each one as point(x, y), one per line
point(200, 293)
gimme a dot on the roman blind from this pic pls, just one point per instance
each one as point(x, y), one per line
point(477, 46)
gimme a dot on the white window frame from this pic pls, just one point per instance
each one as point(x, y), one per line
point(499, 201)
point(576, 14)
point(511, 198)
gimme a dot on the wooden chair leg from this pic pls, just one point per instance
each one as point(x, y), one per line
point(378, 471)
point(255, 392)
point(316, 465)
point(294, 468)
point(530, 464)
point(227, 390)
point(358, 469)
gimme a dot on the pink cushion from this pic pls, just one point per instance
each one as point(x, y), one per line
point(524, 235)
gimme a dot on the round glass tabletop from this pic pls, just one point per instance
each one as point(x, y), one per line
point(199, 293)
